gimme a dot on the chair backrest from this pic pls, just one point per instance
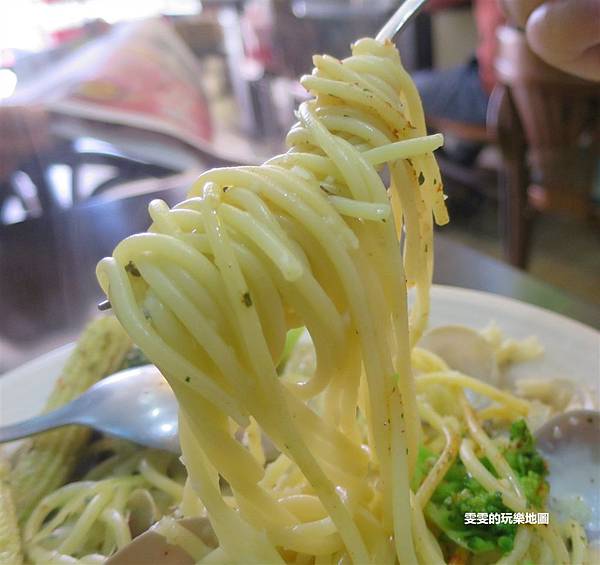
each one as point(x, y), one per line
point(461, 130)
point(560, 115)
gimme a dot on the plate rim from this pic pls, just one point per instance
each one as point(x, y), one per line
point(441, 289)
point(448, 293)
point(556, 317)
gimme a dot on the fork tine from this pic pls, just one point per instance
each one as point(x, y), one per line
point(401, 17)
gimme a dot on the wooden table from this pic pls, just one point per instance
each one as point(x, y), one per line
point(48, 286)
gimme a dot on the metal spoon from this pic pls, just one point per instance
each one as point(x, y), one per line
point(570, 444)
point(135, 404)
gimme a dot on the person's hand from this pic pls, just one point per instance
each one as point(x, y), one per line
point(564, 33)
point(24, 131)
point(518, 11)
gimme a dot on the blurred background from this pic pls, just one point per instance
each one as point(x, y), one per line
point(110, 102)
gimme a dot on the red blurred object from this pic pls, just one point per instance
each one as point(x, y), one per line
point(66, 35)
point(139, 74)
point(257, 24)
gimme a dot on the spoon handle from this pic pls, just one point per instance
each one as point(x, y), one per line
point(55, 419)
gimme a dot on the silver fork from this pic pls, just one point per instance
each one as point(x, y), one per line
point(134, 404)
point(138, 404)
point(401, 17)
point(390, 29)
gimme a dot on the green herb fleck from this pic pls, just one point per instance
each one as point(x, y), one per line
point(132, 269)
point(247, 299)
point(421, 178)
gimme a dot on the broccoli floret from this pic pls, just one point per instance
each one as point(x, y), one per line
point(458, 494)
point(528, 463)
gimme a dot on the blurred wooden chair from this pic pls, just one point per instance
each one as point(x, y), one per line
point(548, 127)
point(474, 177)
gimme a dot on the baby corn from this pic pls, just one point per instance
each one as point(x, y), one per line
point(10, 539)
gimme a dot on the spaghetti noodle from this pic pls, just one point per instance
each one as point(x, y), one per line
point(313, 238)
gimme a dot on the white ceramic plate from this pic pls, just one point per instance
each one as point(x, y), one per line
point(572, 350)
